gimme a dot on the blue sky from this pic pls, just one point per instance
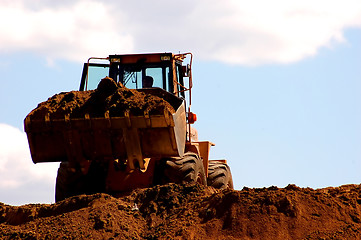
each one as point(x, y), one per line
point(296, 123)
point(277, 91)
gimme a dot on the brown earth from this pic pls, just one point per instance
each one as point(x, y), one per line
point(109, 96)
point(193, 212)
point(178, 211)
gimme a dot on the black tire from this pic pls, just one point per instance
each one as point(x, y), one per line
point(219, 175)
point(68, 182)
point(71, 181)
point(186, 170)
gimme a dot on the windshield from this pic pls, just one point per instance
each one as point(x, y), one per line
point(129, 76)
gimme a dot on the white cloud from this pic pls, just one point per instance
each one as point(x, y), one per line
point(232, 31)
point(286, 31)
point(17, 171)
point(71, 32)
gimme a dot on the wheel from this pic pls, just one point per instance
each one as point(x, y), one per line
point(71, 181)
point(219, 175)
point(186, 170)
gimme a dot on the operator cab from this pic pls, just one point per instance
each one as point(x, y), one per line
point(157, 70)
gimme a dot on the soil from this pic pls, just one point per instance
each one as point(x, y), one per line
point(192, 212)
point(178, 211)
point(108, 97)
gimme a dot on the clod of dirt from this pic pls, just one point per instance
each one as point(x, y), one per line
point(108, 97)
point(193, 212)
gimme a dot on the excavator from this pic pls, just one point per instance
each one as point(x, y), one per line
point(116, 154)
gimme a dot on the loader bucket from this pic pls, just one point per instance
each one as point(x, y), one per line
point(133, 138)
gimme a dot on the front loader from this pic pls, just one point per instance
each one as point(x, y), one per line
point(119, 149)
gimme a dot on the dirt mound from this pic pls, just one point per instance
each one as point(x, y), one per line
point(108, 97)
point(193, 212)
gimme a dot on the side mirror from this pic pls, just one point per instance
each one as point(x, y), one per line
point(186, 70)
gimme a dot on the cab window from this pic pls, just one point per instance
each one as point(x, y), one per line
point(95, 74)
point(156, 74)
point(145, 77)
point(130, 76)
